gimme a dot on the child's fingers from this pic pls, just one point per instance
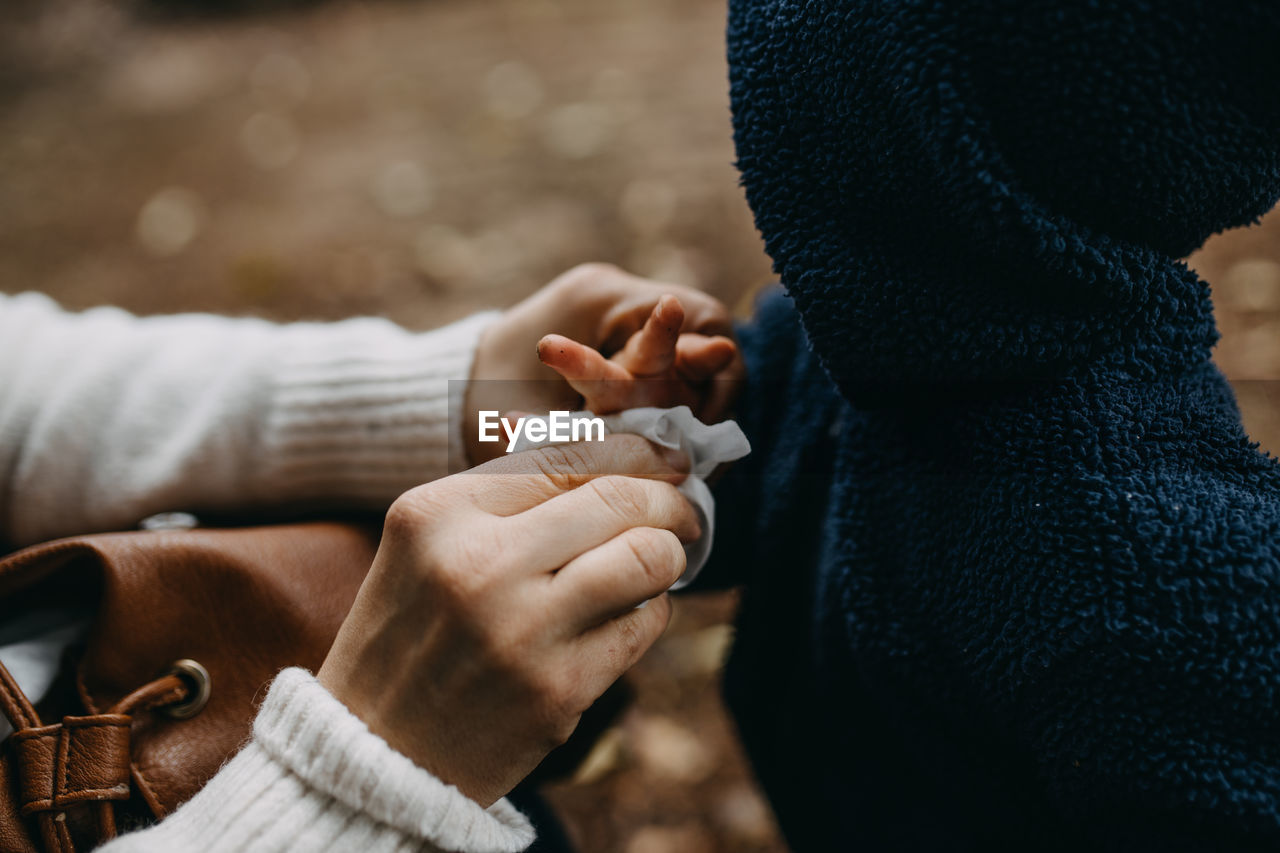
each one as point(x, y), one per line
point(577, 362)
point(699, 357)
point(603, 384)
point(652, 350)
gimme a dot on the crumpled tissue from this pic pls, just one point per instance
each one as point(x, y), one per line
point(707, 445)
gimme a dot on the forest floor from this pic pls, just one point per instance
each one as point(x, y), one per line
point(423, 160)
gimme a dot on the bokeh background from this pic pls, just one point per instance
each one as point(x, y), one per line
point(422, 159)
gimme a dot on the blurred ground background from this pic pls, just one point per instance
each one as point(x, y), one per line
point(422, 160)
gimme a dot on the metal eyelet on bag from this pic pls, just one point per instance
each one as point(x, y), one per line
point(201, 684)
point(169, 521)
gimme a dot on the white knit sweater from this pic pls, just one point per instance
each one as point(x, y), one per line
point(106, 419)
point(314, 778)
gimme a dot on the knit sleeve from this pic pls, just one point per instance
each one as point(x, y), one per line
point(106, 418)
point(315, 778)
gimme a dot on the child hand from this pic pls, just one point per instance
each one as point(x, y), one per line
point(658, 366)
point(599, 306)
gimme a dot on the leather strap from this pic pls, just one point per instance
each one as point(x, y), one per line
point(81, 759)
point(166, 690)
point(22, 716)
point(14, 703)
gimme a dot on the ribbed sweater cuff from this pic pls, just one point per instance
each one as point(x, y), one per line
point(315, 778)
point(359, 411)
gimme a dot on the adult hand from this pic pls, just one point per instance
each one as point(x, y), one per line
point(502, 603)
point(596, 304)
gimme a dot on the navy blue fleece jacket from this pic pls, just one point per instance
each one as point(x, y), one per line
point(1012, 565)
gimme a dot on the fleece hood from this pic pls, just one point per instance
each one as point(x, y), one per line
point(946, 211)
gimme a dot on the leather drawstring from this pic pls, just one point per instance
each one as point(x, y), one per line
point(168, 689)
point(14, 703)
point(22, 715)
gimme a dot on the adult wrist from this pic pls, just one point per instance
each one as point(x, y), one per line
point(359, 411)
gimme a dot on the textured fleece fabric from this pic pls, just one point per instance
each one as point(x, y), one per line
point(1013, 565)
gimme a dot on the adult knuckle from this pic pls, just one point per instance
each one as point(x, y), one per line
point(675, 507)
point(591, 272)
point(658, 553)
point(660, 612)
point(625, 496)
point(621, 454)
point(632, 451)
point(632, 641)
point(651, 623)
point(581, 279)
point(409, 514)
point(563, 464)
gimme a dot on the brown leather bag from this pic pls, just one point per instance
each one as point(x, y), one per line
point(187, 630)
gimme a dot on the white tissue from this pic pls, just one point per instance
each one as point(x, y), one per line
point(707, 446)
